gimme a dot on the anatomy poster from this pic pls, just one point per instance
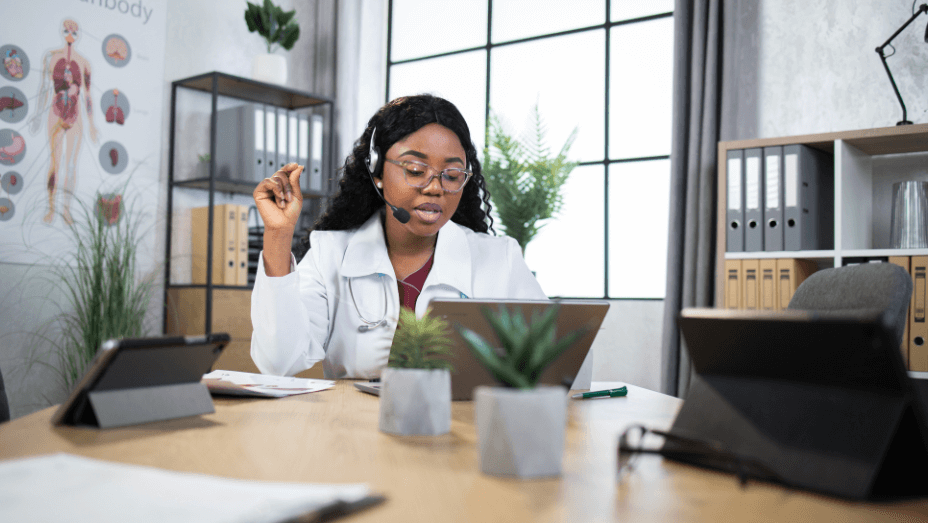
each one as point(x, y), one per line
point(81, 89)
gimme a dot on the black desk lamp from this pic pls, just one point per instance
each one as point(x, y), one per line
point(921, 9)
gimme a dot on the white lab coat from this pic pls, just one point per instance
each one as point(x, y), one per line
point(309, 316)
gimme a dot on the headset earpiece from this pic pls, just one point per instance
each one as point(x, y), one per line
point(373, 157)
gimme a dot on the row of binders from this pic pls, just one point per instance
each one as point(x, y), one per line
point(914, 347)
point(253, 141)
point(229, 246)
point(779, 199)
point(767, 284)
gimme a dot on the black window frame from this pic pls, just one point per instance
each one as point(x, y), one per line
point(606, 162)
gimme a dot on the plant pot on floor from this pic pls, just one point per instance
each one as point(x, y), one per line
point(521, 431)
point(415, 401)
point(269, 68)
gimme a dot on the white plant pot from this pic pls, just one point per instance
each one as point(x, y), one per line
point(269, 68)
point(415, 401)
point(521, 432)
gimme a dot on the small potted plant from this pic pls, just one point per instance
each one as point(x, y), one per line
point(415, 393)
point(279, 29)
point(520, 426)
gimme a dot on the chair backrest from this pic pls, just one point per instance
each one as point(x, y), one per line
point(885, 287)
point(4, 406)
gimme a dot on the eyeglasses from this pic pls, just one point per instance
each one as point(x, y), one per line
point(706, 453)
point(451, 180)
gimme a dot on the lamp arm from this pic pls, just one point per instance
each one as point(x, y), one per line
point(921, 9)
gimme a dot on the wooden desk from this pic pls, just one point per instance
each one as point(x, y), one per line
point(332, 436)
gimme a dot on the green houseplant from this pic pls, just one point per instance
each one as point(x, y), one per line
point(524, 178)
point(279, 29)
point(520, 426)
point(415, 394)
point(105, 295)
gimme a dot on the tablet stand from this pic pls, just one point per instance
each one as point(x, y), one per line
point(859, 444)
point(120, 407)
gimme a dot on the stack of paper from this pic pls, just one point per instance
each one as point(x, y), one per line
point(63, 487)
point(235, 383)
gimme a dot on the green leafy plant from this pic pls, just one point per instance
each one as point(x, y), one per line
point(420, 343)
point(277, 26)
point(528, 347)
point(204, 158)
point(105, 295)
point(524, 178)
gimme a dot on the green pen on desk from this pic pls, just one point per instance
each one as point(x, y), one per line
point(611, 393)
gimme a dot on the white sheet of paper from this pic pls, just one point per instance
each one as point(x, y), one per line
point(65, 487)
point(264, 385)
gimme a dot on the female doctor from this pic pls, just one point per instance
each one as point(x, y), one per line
point(408, 224)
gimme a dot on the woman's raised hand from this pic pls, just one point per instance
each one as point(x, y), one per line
point(279, 199)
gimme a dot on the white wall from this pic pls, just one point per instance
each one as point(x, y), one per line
point(800, 67)
point(202, 36)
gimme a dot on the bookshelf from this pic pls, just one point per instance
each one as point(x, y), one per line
point(862, 192)
point(193, 181)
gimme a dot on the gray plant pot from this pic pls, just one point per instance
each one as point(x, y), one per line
point(521, 432)
point(415, 401)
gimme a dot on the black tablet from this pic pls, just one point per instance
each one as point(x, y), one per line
point(138, 380)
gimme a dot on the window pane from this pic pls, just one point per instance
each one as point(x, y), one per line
point(568, 252)
point(566, 77)
point(460, 79)
point(515, 19)
point(427, 27)
point(639, 196)
point(628, 9)
point(640, 89)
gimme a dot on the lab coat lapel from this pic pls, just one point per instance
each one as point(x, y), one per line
point(367, 251)
point(452, 266)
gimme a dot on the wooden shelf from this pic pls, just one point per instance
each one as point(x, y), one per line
point(251, 90)
point(232, 186)
point(855, 189)
point(883, 140)
point(765, 255)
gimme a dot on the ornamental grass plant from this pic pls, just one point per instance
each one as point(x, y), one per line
point(105, 296)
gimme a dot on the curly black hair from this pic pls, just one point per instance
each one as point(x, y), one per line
point(357, 199)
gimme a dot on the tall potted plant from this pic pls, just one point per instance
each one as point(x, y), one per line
point(520, 426)
point(524, 178)
point(279, 29)
point(105, 295)
point(415, 393)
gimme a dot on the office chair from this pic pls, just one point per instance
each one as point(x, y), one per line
point(4, 406)
point(883, 287)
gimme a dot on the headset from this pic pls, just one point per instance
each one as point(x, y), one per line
point(373, 163)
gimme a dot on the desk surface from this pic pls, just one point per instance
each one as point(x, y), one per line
point(332, 437)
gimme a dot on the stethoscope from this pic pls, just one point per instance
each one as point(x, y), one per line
point(368, 324)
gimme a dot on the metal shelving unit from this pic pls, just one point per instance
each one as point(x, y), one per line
point(221, 86)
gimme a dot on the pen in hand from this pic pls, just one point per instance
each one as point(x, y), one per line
point(611, 393)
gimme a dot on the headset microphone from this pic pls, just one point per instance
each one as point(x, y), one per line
point(373, 159)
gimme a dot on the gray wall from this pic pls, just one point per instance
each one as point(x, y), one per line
point(809, 66)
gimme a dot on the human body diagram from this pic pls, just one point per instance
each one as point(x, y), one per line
point(65, 78)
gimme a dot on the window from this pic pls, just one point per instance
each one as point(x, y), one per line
point(602, 67)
